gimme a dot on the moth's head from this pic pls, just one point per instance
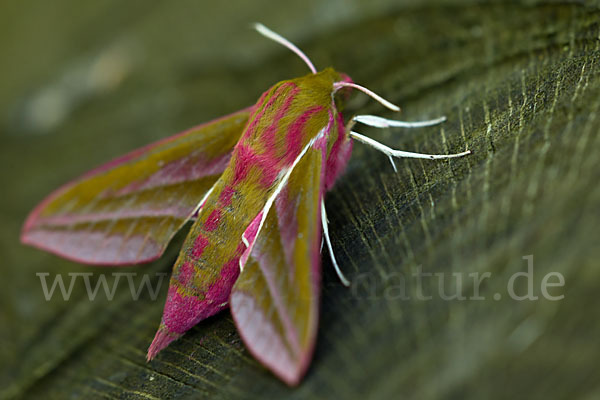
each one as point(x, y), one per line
point(339, 92)
point(340, 84)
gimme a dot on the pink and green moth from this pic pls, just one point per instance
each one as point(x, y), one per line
point(254, 183)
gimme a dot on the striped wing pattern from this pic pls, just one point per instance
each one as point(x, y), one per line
point(275, 300)
point(127, 211)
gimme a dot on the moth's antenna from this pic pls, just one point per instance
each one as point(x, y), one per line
point(338, 85)
point(266, 32)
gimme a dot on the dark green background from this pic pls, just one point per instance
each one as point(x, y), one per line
point(82, 82)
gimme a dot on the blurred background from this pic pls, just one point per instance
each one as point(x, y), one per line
point(84, 82)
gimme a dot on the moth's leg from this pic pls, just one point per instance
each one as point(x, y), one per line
point(402, 154)
point(380, 122)
point(324, 221)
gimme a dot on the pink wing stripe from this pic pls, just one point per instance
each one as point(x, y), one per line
point(186, 169)
point(250, 236)
point(294, 136)
point(112, 251)
point(215, 299)
point(148, 148)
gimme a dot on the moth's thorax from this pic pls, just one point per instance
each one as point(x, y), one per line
point(290, 115)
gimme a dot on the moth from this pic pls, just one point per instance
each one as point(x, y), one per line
point(254, 183)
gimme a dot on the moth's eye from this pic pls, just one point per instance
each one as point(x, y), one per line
point(341, 94)
point(345, 78)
